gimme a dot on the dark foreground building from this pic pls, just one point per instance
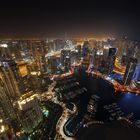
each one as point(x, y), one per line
point(118, 130)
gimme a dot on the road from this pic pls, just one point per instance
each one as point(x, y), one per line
point(64, 117)
point(117, 85)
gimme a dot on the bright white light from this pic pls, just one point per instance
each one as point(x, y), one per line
point(4, 45)
point(33, 73)
point(107, 78)
point(2, 129)
point(99, 52)
point(107, 46)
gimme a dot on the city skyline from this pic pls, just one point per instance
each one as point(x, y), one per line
point(69, 70)
point(67, 89)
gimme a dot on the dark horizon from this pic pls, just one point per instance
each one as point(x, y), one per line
point(77, 19)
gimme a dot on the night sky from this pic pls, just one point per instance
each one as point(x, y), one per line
point(77, 19)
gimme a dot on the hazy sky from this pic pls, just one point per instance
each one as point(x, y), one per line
point(76, 18)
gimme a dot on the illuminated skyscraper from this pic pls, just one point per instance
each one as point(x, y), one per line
point(97, 58)
point(122, 45)
point(15, 49)
point(105, 53)
point(86, 61)
point(52, 64)
point(35, 81)
point(123, 59)
point(129, 72)
point(136, 75)
point(4, 51)
point(85, 48)
point(93, 55)
point(11, 78)
point(111, 59)
point(39, 52)
point(137, 53)
point(78, 51)
point(7, 112)
point(65, 59)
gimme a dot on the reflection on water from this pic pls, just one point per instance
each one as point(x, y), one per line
point(128, 103)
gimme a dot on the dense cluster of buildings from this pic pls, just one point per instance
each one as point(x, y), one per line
point(26, 67)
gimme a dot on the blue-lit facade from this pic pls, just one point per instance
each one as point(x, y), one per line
point(129, 72)
point(136, 75)
point(85, 49)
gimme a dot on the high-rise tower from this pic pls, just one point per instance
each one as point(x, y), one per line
point(111, 59)
point(11, 78)
point(129, 72)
